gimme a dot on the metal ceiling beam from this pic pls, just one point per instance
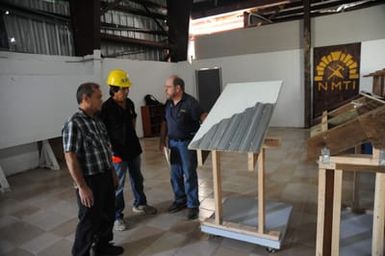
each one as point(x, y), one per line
point(85, 20)
point(4, 44)
point(299, 9)
point(110, 6)
point(134, 41)
point(315, 8)
point(178, 27)
point(135, 11)
point(105, 25)
point(204, 9)
point(149, 4)
point(35, 14)
point(153, 17)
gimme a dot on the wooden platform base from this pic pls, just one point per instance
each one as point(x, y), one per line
point(240, 222)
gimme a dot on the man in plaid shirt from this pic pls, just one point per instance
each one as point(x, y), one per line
point(87, 152)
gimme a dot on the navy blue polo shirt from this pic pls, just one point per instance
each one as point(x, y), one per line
point(183, 119)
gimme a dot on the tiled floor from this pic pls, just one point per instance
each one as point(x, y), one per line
point(38, 217)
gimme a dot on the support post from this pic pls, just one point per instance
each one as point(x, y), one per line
point(325, 212)
point(217, 186)
point(47, 157)
point(378, 216)
point(336, 213)
point(307, 78)
point(261, 191)
point(356, 186)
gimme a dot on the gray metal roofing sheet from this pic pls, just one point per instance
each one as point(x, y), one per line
point(242, 132)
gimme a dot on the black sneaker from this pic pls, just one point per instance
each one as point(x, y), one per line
point(109, 249)
point(192, 213)
point(175, 207)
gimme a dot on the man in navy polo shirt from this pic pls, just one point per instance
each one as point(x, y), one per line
point(183, 117)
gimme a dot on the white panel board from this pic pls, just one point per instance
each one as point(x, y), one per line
point(238, 99)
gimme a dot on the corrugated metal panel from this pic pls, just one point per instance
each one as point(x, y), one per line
point(131, 52)
point(54, 6)
point(133, 21)
point(40, 37)
point(239, 119)
point(243, 132)
point(31, 35)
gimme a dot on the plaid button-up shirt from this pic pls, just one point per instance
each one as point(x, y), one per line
point(88, 138)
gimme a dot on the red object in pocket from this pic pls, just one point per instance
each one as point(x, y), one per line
point(116, 159)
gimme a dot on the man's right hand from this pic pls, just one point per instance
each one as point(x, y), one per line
point(86, 196)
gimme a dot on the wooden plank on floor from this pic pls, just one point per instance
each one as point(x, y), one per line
point(217, 186)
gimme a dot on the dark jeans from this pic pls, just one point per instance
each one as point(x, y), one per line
point(136, 179)
point(95, 222)
point(184, 179)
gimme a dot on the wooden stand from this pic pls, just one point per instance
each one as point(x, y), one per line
point(152, 117)
point(261, 234)
point(329, 201)
point(4, 185)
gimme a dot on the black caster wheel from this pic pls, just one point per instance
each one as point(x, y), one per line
point(270, 250)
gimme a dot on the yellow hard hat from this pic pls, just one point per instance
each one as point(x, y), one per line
point(118, 77)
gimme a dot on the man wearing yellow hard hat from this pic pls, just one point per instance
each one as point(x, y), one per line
point(119, 116)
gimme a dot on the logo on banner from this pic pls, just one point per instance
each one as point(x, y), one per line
point(337, 71)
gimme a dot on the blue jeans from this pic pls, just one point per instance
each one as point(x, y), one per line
point(184, 179)
point(136, 178)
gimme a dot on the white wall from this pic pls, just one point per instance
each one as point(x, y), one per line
point(372, 59)
point(281, 65)
point(37, 95)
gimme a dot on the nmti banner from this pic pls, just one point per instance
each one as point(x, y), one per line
point(336, 76)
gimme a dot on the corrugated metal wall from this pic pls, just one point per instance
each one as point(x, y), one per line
point(27, 33)
point(138, 22)
point(32, 34)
